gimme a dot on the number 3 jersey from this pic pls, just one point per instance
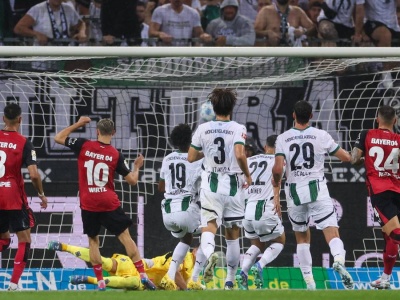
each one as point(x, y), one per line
point(217, 140)
point(381, 152)
point(15, 151)
point(97, 164)
point(304, 152)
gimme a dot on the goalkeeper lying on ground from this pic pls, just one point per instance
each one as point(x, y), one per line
point(123, 274)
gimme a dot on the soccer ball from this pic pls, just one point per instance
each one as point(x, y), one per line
point(207, 111)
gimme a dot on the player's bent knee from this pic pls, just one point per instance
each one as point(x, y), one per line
point(4, 244)
point(395, 235)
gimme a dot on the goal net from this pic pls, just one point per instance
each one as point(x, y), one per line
point(147, 97)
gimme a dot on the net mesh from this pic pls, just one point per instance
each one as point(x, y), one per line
point(148, 97)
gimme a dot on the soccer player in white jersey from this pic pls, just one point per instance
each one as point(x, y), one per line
point(225, 176)
point(180, 182)
point(262, 220)
point(304, 148)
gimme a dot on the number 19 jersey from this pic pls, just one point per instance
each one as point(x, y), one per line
point(181, 177)
point(217, 140)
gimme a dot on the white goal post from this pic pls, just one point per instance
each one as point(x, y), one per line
point(149, 90)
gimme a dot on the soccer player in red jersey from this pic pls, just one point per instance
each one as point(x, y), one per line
point(97, 163)
point(379, 148)
point(16, 151)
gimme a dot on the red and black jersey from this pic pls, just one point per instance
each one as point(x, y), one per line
point(16, 151)
point(97, 164)
point(381, 152)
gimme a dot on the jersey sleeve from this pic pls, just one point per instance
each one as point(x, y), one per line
point(329, 144)
point(75, 144)
point(162, 170)
point(122, 166)
point(196, 140)
point(240, 136)
point(29, 154)
point(360, 141)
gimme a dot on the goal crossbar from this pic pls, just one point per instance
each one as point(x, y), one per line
point(337, 52)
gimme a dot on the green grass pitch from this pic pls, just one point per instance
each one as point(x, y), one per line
point(204, 295)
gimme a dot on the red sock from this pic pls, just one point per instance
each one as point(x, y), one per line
point(139, 266)
point(98, 271)
point(4, 244)
point(389, 255)
point(20, 261)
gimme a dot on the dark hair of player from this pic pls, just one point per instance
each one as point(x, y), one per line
point(223, 101)
point(12, 111)
point(106, 126)
point(181, 136)
point(387, 114)
point(271, 140)
point(303, 111)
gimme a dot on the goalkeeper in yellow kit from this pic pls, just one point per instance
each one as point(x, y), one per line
point(123, 274)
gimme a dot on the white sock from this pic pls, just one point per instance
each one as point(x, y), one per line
point(232, 259)
point(250, 258)
point(305, 259)
point(337, 250)
point(385, 276)
point(270, 254)
point(177, 258)
point(207, 243)
point(199, 264)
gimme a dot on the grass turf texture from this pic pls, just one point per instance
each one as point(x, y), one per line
point(201, 295)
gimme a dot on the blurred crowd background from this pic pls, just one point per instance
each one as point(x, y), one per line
point(265, 23)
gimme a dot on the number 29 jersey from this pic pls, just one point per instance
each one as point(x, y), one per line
point(97, 164)
point(381, 152)
point(304, 152)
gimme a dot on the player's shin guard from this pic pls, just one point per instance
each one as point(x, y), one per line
point(305, 260)
point(20, 261)
point(177, 258)
point(389, 254)
point(395, 236)
point(337, 250)
point(4, 244)
point(250, 258)
point(270, 254)
point(232, 259)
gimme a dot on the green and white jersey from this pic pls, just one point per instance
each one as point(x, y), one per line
point(260, 167)
point(181, 177)
point(304, 152)
point(217, 140)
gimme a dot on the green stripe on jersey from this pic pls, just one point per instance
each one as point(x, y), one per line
point(259, 209)
point(213, 182)
point(294, 194)
point(185, 203)
point(312, 185)
point(167, 205)
point(233, 184)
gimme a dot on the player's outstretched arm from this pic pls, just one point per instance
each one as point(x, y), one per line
point(277, 171)
point(194, 155)
point(63, 134)
point(357, 156)
point(133, 177)
point(343, 155)
point(241, 158)
point(37, 184)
